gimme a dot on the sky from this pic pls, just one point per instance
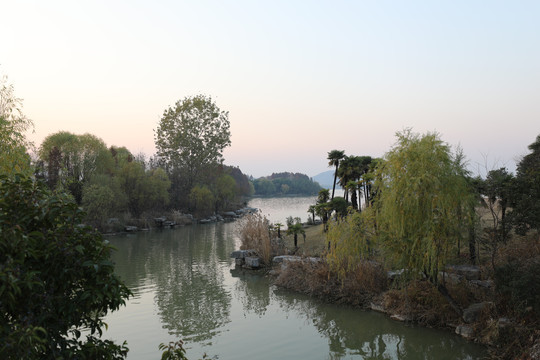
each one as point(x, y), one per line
point(298, 78)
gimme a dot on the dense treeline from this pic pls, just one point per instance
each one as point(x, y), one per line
point(285, 183)
point(114, 183)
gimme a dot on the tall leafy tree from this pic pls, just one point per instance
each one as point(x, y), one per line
point(13, 124)
point(334, 157)
point(498, 189)
point(73, 159)
point(526, 212)
point(190, 138)
point(420, 192)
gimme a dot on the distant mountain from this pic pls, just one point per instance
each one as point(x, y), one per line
point(325, 179)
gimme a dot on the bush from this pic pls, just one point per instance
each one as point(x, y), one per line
point(518, 283)
point(256, 234)
point(358, 288)
point(56, 277)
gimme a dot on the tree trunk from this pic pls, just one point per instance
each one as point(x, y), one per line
point(335, 179)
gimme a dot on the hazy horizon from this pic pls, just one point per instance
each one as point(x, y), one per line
point(298, 78)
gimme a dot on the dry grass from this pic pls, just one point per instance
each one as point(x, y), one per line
point(421, 302)
point(316, 279)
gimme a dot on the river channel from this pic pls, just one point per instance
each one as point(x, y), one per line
point(186, 286)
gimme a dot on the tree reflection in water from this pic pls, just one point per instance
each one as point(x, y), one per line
point(196, 292)
point(372, 335)
point(252, 291)
point(187, 268)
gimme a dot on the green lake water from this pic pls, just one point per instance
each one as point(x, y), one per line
point(186, 286)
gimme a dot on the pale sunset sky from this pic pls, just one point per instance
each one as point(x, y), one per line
point(299, 78)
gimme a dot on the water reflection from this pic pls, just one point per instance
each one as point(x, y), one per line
point(196, 294)
point(186, 268)
point(372, 335)
point(253, 291)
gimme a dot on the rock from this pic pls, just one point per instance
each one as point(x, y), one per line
point(471, 313)
point(285, 258)
point(392, 275)
point(241, 254)
point(229, 214)
point(465, 331)
point(252, 262)
point(451, 277)
point(488, 284)
point(377, 307)
point(239, 261)
point(400, 317)
point(130, 228)
point(470, 272)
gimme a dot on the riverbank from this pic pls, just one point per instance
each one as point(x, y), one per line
point(509, 330)
point(169, 220)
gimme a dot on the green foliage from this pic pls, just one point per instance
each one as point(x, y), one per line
point(13, 124)
point(202, 200)
point(526, 209)
point(145, 190)
point(421, 194)
point(98, 202)
point(295, 228)
point(351, 241)
point(518, 283)
point(190, 138)
point(73, 159)
point(225, 191)
point(334, 157)
point(173, 351)
point(56, 277)
point(286, 183)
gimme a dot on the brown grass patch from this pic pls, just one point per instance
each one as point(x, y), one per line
point(422, 303)
point(315, 278)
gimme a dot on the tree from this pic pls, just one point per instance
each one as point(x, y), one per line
point(202, 200)
point(294, 227)
point(190, 137)
point(73, 159)
point(13, 124)
point(526, 212)
point(420, 190)
point(225, 191)
point(334, 157)
point(56, 278)
point(498, 189)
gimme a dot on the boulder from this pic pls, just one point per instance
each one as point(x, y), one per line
point(229, 214)
point(470, 272)
point(465, 331)
point(471, 313)
point(252, 262)
point(241, 254)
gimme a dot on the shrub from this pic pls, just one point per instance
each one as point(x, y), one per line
point(255, 234)
point(56, 277)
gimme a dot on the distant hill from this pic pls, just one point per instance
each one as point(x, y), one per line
point(285, 183)
point(325, 179)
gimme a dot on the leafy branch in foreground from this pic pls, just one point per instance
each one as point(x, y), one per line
point(56, 277)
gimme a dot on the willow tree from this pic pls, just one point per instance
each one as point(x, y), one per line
point(422, 195)
point(13, 124)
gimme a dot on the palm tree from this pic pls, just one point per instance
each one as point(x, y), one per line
point(295, 228)
point(334, 157)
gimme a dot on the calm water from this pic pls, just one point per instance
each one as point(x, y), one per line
point(186, 286)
